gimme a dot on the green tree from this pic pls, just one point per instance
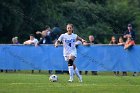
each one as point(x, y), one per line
point(102, 18)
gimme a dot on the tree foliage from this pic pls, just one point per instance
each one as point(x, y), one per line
point(97, 17)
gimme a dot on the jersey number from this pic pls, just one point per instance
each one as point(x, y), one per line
point(70, 44)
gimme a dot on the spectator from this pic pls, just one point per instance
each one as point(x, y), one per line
point(47, 29)
point(32, 40)
point(91, 42)
point(56, 32)
point(121, 42)
point(54, 36)
point(129, 33)
point(129, 43)
point(113, 42)
point(130, 36)
point(45, 39)
point(50, 35)
point(15, 40)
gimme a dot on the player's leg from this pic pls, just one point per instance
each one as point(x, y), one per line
point(77, 73)
point(70, 68)
point(75, 68)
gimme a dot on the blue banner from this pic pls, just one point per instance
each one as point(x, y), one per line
point(47, 57)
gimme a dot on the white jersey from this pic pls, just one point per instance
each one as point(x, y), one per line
point(68, 44)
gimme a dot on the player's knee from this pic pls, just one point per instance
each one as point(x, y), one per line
point(70, 62)
point(72, 57)
point(74, 66)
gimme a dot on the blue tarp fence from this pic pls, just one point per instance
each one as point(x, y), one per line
point(47, 57)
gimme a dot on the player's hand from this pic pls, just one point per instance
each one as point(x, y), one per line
point(84, 41)
point(56, 44)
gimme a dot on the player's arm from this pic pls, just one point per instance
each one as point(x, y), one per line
point(82, 40)
point(57, 43)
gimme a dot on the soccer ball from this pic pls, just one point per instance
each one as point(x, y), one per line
point(53, 78)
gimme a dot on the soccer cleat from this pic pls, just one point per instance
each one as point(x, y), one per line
point(70, 80)
point(80, 80)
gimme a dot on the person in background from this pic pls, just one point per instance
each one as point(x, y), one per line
point(48, 36)
point(129, 43)
point(49, 33)
point(56, 32)
point(113, 41)
point(129, 33)
point(122, 43)
point(91, 42)
point(47, 29)
point(15, 40)
point(32, 40)
point(45, 39)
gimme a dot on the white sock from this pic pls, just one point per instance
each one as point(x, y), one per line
point(77, 73)
point(71, 72)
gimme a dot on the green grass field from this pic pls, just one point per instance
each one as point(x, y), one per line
point(39, 83)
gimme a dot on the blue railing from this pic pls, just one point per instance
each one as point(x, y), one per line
point(47, 57)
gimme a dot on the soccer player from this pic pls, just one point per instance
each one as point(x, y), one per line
point(69, 50)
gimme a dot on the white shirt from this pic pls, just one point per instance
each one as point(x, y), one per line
point(68, 44)
point(33, 41)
